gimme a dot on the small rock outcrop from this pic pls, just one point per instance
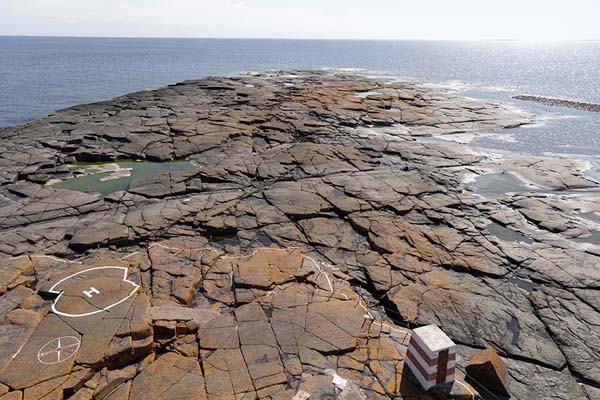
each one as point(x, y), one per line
point(100, 233)
point(486, 368)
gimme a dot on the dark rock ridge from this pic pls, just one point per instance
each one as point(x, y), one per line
point(315, 231)
point(551, 101)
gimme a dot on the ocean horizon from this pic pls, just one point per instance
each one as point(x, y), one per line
point(44, 74)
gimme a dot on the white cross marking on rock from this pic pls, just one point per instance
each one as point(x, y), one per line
point(58, 350)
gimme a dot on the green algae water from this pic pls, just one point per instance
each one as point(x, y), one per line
point(106, 182)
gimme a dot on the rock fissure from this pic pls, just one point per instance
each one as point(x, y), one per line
point(346, 229)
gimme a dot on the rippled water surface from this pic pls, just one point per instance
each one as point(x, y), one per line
point(39, 75)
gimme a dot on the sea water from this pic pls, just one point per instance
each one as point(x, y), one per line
point(41, 74)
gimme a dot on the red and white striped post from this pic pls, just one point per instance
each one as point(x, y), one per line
point(431, 356)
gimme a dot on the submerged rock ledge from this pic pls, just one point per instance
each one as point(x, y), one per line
point(313, 233)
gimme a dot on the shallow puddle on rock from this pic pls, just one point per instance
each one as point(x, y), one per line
point(499, 184)
point(507, 234)
point(524, 284)
point(364, 95)
point(113, 181)
point(513, 328)
point(591, 216)
point(593, 238)
point(496, 185)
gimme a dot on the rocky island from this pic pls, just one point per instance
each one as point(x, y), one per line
point(278, 235)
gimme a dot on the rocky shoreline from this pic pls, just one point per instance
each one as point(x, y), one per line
point(314, 231)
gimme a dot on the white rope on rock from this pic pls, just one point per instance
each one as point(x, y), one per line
point(466, 387)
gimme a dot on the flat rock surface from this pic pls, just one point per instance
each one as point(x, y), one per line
point(314, 231)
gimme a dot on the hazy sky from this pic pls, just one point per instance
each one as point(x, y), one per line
point(364, 19)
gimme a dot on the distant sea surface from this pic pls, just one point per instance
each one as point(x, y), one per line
point(41, 74)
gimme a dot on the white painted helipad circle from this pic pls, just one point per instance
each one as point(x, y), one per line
point(58, 350)
point(91, 291)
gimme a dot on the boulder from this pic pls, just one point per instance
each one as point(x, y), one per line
point(487, 369)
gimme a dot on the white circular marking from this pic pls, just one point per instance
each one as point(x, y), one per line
point(58, 350)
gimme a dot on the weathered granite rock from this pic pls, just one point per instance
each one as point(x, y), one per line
point(40, 357)
point(171, 376)
point(161, 185)
point(528, 380)
point(12, 271)
point(558, 174)
point(99, 233)
point(313, 231)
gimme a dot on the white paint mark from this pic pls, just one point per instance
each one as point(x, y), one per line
point(301, 395)
point(322, 272)
point(318, 265)
point(55, 258)
point(18, 351)
point(180, 249)
point(90, 293)
point(129, 255)
point(337, 380)
point(60, 293)
point(58, 350)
